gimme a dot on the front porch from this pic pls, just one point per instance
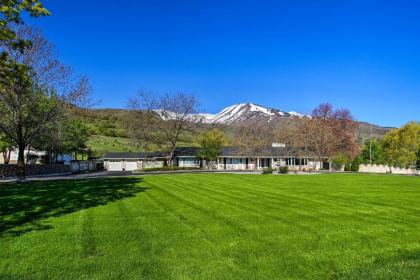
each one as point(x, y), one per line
point(243, 163)
point(257, 163)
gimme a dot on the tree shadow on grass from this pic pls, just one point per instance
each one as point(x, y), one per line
point(23, 207)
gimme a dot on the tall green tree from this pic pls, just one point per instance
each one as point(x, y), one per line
point(372, 152)
point(26, 110)
point(211, 144)
point(64, 136)
point(75, 136)
point(401, 146)
point(16, 87)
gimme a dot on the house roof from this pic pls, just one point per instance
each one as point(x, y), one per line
point(262, 152)
point(225, 152)
point(132, 155)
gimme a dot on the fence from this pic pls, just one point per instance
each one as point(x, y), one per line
point(84, 166)
point(10, 170)
point(379, 168)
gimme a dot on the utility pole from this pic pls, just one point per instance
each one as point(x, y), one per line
point(370, 145)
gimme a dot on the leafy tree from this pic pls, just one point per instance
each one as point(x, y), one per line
point(211, 144)
point(401, 146)
point(37, 92)
point(338, 161)
point(10, 14)
point(26, 110)
point(5, 148)
point(16, 87)
point(75, 136)
point(418, 159)
point(355, 164)
point(332, 132)
point(372, 151)
point(65, 136)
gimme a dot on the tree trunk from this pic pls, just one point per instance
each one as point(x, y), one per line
point(7, 158)
point(171, 157)
point(144, 161)
point(21, 163)
point(6, 155)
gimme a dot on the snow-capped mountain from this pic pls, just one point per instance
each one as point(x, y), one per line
point(237, 113)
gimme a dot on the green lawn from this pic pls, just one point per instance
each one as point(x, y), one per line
point(212, 226)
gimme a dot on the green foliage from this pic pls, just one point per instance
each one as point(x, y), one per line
point(418, 160)
point(347, 166)
point(75, 136)
point(372, 148)
point(401, 146)
point(339, 161)
point(267, 170)
point(4, 143)
point(284, 169)
point(355, 164)
point(211, 143)
point(10, 12)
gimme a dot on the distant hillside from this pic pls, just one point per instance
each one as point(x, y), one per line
point(107, 126)
point(108, 132)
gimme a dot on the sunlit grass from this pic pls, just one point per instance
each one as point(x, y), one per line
point(212, 226)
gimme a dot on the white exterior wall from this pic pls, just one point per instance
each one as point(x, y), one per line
point(130, 165)
point(378, 168)
point(236, 166)
point(120, 165)
point(255, 164)
point(315, 164)
point(113, 165)
point(151, 164)
point(188, 162)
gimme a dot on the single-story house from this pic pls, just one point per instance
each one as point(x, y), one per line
point(129, 161)
point(231, 158)
point(34, 157)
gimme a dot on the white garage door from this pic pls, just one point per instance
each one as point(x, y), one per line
point(115, 166)
point(130, 165)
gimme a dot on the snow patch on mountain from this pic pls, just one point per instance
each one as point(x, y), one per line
point(235, 114)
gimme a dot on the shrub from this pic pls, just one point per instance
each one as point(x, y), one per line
point(268, 170)
point(347, 167)
point(338, 162)
point(355, 164)
point(284, 169)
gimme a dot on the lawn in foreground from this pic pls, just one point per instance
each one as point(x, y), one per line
point(212, 226)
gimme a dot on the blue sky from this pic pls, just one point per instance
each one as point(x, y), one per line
point(290, 55)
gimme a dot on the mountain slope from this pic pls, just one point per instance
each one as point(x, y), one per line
point(107, 126)
point(236, 114)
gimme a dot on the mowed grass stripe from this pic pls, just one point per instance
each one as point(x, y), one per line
point(244, 208)
point(218, 226)
point(200, 207)
point(366, 206)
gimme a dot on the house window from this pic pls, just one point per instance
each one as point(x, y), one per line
point(296, 161)
point(291, 161)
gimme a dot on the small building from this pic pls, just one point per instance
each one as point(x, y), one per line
point(34, 157)
point(231, 158)
point(130, 161)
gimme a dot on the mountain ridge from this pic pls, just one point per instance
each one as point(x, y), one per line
point(237, 113)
